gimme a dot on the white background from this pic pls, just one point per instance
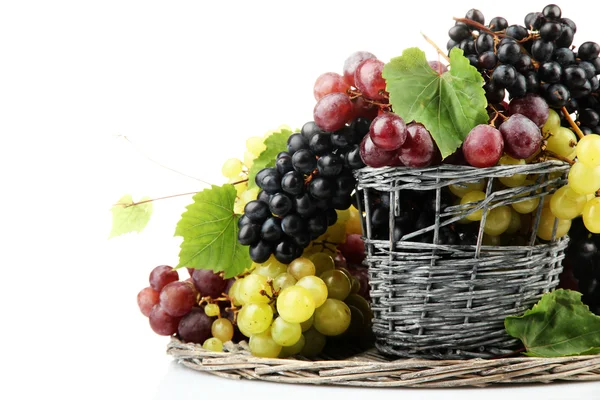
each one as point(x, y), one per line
point(187, 82)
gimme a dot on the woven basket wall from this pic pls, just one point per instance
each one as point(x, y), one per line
point(449, 301)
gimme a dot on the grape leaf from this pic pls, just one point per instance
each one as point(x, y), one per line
point(276, 143)
point(127, 217)
point(209, 229)
point(558, 325)
point(449, 105)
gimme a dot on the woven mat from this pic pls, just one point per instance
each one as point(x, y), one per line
point(370, 369)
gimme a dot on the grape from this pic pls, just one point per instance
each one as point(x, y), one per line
point(301, 267)
point(249, 234)
point(388, 131)
point(222, 329)
point(269, 180)
point(295, 304)
point(213, 344)
point(562, 141)
point(361, 304)
point(352, 62)
point(584, 180)
point(498, 24)
point(552, 123)
point(293, 224)
point(195, 327)
point(306, 325)
point(515, 222)
point(316, 287)
point(508, 53)
point(526, 206)
point(353, 249)
point(161, 276)
point(285, 333)
point(566, 203)
point(512, 180)
point(296, 142)
point(332, 318)
point(254, 318)
point(234, 292)
point(310, 129)
point(257, 211)
point(522, 137)
point(463, 188)
point(314, 343)
point(271, 230)
point(178, 298)
point(321, 188)
point(475, 15)
point(270, 268)
point(333, 111)
point(212, 310)
point(368, 79)
point(329, 82)
point(531, 106)
point(372, 155)
point(338, 284)
point(304, 205)
point(459, 33)
point(497, 220)
point(294, 349)
point(232, 168)
point(472, 197)
point(591, 215)
point(418, 150)
point(161, 322)
point(551, 11)
point(546, 225)
point(146, 299)
point(551, 31)
point(208, 283)
point(588, 51)
point(251, 287)
point(255, 145)
point(322, 262)
point(504, 76)
point(542, 51)
point(550, 72)
point(304, 161)
point(557, 95)
point(283, 280)
point(263, 345)
point(588, 151)
point(280, 204)
point(261, 251)
point(330, 165)
point(293, 182)
point(483, 146)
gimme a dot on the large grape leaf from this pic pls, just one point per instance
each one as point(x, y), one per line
point(276, 143)
point(449, 105)
point(209, 229)
point(128, 216)
point(558, 325)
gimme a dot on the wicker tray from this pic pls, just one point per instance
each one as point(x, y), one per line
point(371, 369)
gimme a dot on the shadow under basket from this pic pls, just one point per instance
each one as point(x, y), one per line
point(447, 299)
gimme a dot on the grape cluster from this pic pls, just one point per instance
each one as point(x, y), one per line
point(301, 194)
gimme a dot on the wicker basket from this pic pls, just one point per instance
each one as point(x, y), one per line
point(449, 301)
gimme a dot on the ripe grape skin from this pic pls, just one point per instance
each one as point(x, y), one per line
point(316, 287)
point(333, 111)
point(146, 299)
point(255, 318)
point(295, 304)
point(329, 82)
point(178, 298)
point(566, 203)
point(388, 131)
point(161, 276)
point(546, 225)
point(338, 284)
point(208, 283)
point(222, 329)
point(522, 137)
point(195, 327)
point(372, 155)
point(352, 62)
point(588, 150)
point(591, 215)
point(483, 146)
point(163, 323)
point(418, 150)
point(332, 318)
point(301, 267)
point(561, 141)
point(584, 180)
point(531, 106)
point(368, 79)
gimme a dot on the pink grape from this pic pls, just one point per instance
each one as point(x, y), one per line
point(368, 79)
point(162, 275)
point(329, 82)
point(146, 299)
point(483, 146)
point(372, 155)
point(161, 322)
point(438, 67)
point(333, 111)
point(532, 106)
point(208, 283)
point(353, 249)
point(352, 62)
point(388, 131)
point(522, 137)
point(178, 298)
point(418, 150)
point(195, 327)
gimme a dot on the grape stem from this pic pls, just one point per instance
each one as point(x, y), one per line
point(572, 123)
point(355, 93)
point(479, 26)
point(558, 156)
point(498, 113)
point(440, 52)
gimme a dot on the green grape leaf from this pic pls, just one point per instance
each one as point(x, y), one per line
point(128, 216)
point(209, 229)
point(448, 105)
point(276, 143)
point(558, 325)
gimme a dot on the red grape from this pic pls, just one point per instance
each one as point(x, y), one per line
point(208, 283)
point(363, 108)
point(354, 249)
point(339, 260)
point(522, 137)
point(178, 298)
point(352, 62)
point(369, 81)
point(195, 327)
point(372, 155)
point(388, 131)
point(329, 82)
point(418, 150)
point(483, 146)
point(333, 111)
point(161, 322)
point(146, 299)
point(532, 106)
point(162, 275)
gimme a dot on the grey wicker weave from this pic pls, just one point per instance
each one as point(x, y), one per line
point(449, 301)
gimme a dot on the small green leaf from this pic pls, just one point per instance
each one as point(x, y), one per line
point(209, 229)
point(276, 143)
point(449, 105)
point(558, 325)
point(129, 217)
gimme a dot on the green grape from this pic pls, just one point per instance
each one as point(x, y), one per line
point(546, 225)
point(232, 168)
point(234, 292)
point(591, 215)
point(283, 281)
point(497, 221)
point(588, 150)
point(254, 318)
point(248, 195)
point(251, 287)
point(362, 304)
point(338, 284)
point(323, 262)
point(285, 333)
point(263, 345)
point(249, 159)
point(332, 318)
point(270, 268)
point(462, 189)
point(314, 342)
point(355, 285)
point(357, 323)
point(489, 240)
point(512, 180)
point(295, 304)
point(515, 222)
point(566, 203)
point(472, 197)
point(255, 145)
point(552, 123)
point(562, 141)
point(316, 287)
point(213, 344)
point(212, 310)
point(287, 351)
point(583, 179)
point(222, 329)
point(526, 206)
point(306, 325)
point(301, 267)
